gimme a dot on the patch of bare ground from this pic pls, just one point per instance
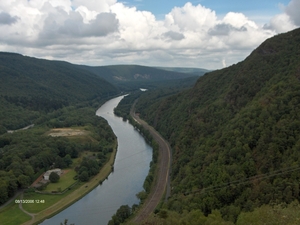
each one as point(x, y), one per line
point(66, 132)
point(35, 183)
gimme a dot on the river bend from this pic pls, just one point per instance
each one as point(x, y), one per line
point(130, 170)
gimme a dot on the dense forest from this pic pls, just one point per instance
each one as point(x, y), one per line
point(235, 135)
point(30, 87)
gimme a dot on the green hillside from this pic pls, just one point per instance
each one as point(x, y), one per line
point(21, 75)
point(29, 86)
point(236, 134)
point(131, 77)
point(187, 70)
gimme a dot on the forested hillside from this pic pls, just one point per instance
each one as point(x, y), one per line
point(236, 134)
point(29, 85)
point(187, 70)
point(132, 77)
point(26, 75)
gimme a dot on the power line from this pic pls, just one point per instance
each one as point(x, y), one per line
point(245, 180)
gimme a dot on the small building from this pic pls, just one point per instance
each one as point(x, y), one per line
point(47, 174)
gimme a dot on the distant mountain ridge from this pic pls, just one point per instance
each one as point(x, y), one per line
point(187, 70)
point(126, 73)
point(134, 76)
point(236, 124)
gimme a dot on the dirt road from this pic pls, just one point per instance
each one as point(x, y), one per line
point(163, 172)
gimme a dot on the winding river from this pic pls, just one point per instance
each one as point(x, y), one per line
point(130, 170)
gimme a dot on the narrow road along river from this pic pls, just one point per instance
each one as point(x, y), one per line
point(130, 170)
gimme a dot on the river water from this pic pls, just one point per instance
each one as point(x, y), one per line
point(130, 170)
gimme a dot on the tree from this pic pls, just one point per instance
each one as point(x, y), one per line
point(68, 160)
point(24, 181)
point(3, 192)
point(66, 223)
point(123, 213)
point(84, 176)
point(54, 177)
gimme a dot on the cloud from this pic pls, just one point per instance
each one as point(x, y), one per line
point(292, 10)
point(172, 35)
point(111, 32)
point(191, 17)
point(288, 20)
point(225, 29)
point(102, 25)
point(280, 23)
point(6, 19)
point(60, 25)
point(94, 5)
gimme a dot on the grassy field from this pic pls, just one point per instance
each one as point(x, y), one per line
point(11, 214)
point(44, 201)
point(65, 181)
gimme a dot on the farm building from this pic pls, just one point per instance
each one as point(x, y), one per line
point(47, 174)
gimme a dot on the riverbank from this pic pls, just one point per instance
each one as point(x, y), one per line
point(131, 166)
point(76, 194)
point(162, 179)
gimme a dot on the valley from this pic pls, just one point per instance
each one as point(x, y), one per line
point(225, 143)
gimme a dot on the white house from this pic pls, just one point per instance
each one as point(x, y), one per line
point(47, 174)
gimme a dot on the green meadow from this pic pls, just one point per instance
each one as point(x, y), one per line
point(65, 181)
point(12, 214)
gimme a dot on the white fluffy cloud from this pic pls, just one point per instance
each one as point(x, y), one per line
point(281, 23)
point(99, 32)
point(288, 20)
point(292, 10)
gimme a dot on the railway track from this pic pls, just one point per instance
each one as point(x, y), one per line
point(162, 181)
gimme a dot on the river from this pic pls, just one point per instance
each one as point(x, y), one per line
point(130, 170)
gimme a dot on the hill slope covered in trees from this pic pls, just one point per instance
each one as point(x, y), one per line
point(29, 86)
point(236, 134)
point(22, 75)
point(131, 77)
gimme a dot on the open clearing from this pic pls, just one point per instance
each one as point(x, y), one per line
point(67, 132)
point(65, 181)
point(12, 214)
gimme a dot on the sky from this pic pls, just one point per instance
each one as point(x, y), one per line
point(210, 34)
